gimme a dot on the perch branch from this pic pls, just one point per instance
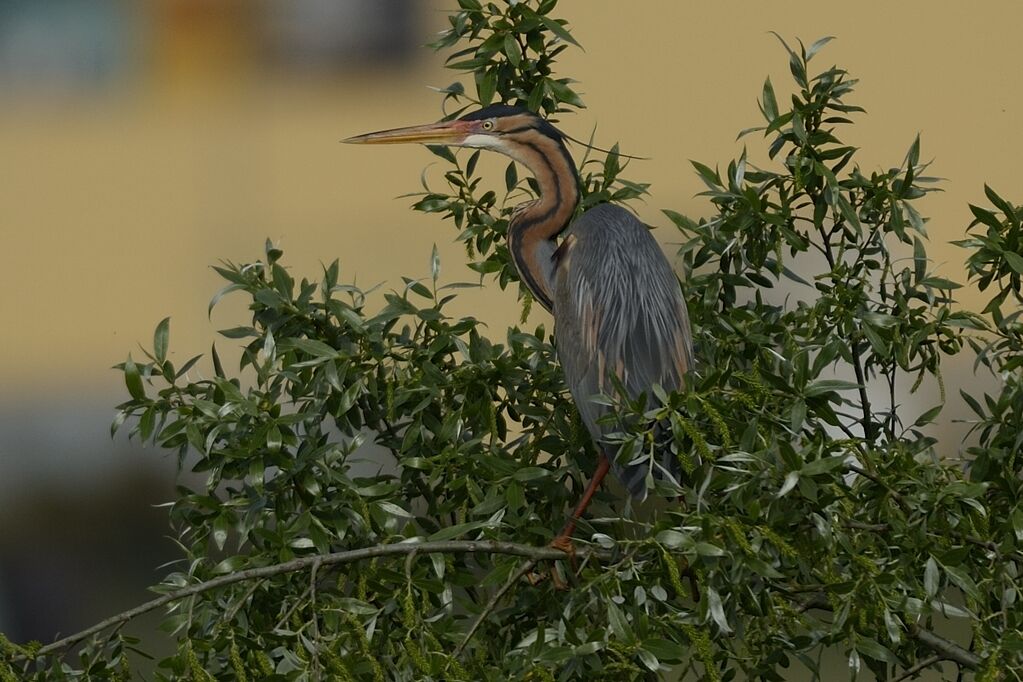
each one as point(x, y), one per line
point(334, 559)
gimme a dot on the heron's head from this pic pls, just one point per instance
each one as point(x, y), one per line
point(500, 127)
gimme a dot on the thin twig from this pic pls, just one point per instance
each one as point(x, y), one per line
point(919, 667)
point(333, 559)
point(492, 604)
point(314, 625)
point(229, 616)
point(877, 479)
point(946, 649)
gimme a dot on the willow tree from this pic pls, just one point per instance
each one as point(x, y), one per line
point(819, 514)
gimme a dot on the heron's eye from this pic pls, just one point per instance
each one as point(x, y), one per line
point(488, 124)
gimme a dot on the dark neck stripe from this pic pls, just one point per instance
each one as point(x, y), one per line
point(549, 216)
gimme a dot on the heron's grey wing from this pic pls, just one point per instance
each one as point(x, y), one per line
point(618, 310)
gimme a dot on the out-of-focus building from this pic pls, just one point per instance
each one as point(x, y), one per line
point(142, 141)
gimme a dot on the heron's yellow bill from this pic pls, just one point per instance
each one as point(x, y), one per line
point(448, 132)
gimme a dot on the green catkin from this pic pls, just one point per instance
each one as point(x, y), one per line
point(738, 536)
point(265, 663)
point(123, 668)
point(685, 461)
point(408, 609)
point(364, 511)
point(539, 674)
point(360, 637)
point(674, 574)
point(492, 423)
point(416, 656)
point(700, 640)
point(527, 305)
point(778, 541)
point(989, 669)
point(362, 587)
point(237, 665)
point(389, 400)
point(7, 651)
point(337, 668)
point(694, 434)
point(718, 422)
point(195, 669)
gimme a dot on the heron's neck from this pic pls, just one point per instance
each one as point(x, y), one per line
point(535, 225)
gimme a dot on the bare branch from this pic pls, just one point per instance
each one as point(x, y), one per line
point(334, 559)
point(492, 604)
point(919, 667)
point(948, 649)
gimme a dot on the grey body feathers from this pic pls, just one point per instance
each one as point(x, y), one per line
point(618, 309)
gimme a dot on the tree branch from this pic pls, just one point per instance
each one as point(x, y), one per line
point(919, 667)
point(948, 649)
point(530, 552)
point(492, 604)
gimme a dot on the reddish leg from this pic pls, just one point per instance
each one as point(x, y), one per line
point(564, 539)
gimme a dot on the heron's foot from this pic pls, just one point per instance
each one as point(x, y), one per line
point(565, 544)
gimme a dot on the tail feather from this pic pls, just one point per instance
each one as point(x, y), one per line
point(633, 477)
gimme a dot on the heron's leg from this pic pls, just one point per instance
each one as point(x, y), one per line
point(564, 539)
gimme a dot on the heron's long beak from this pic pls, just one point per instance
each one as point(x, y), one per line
point(448, 132)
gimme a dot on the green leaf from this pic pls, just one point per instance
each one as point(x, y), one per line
point(672, 539)
point(1001, 204)
point(709, 177)
point(963, 581)
point(530, 474)
point(823, 465)
point(452, 532)
point(986, 217)
point(160, 338)
point(1017, 523)
point(928, 416)
point(788, 484)
point(828, 385)
point(707, 549)
point(392, 509)
point(618, 623)
point(511, 177)
point(486, 86)
point(931, 578)
point(817, 45)
point(313, 347)
point(665, 650)
point(919, 259)
point(1014, 260)
point(133, 380)
point(770, 103)
point(717, 611)
point(512, 50)
point(221, 528)
point(559, 30)
point(871, 648)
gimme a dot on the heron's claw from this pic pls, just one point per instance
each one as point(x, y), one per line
point(565, 544)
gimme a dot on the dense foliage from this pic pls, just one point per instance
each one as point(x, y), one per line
point(818, 513)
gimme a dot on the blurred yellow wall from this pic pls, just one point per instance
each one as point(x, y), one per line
point(113, 206)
